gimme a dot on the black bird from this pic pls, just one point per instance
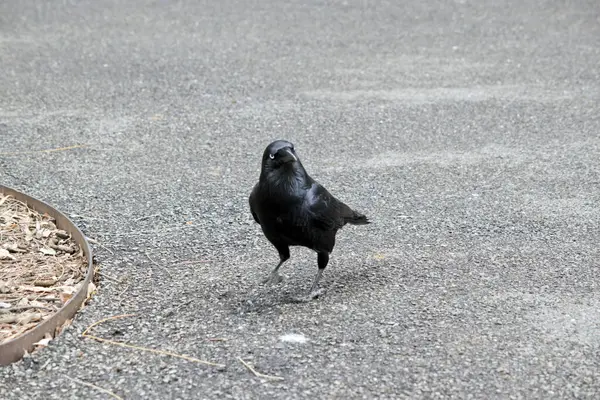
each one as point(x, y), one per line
point(294, 210)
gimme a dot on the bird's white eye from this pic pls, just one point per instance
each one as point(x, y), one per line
point(271, 156)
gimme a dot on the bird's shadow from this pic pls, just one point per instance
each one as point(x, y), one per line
point(343, 283)
point(263, 298)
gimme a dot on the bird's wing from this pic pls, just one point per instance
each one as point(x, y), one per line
point(252, 200)
point(327, 212)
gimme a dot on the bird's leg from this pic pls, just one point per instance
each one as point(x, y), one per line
point(274, 277)
point(284, 255)
point(322, 260)
point(314, 292)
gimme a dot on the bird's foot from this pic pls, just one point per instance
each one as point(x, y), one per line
point(273, 279)
point(311, 296)
point(316, 293)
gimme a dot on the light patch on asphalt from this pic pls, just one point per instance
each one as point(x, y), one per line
point(444, 94)
point(397, 158)
point(571, 321)
point(582, 208)
point(293, 338)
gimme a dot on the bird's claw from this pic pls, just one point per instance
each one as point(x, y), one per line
point(313, 295)
point(273, 279)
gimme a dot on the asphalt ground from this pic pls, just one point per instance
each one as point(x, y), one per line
point(466, 130)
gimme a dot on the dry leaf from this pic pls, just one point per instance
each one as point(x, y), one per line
point(45, 282)
point(65, 297)
point(48, 251)
point(38, 289)
point(91, 289)
point(37, 262)
point(45, 341)
point(63, 248)
point(46, 232)
point(29, 317)
point(4, 289)
point(8, 318)
point(69, 282)
point(49, 225)
point(22, 319)
point(62, 234)
point(60, 328)
point(5, 255)
point(70, 289)
point(14, 248)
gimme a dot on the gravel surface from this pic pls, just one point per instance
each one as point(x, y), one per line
point(466, 130)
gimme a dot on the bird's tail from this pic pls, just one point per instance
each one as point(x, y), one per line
point(357, 219)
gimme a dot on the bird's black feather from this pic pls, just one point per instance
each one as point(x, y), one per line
point(295, 210)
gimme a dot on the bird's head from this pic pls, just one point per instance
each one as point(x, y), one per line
point(279, 155)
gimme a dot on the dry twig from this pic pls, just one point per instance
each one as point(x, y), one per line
point(77, 146)
point(150, 232)
point(121, 295)
point(21, 308)
point(258, 374)
point(110, 278)
point(94, 387)
point(147, 217)
point(130, 346)
point(39, 258)
point(158, 265)
point(95, 241)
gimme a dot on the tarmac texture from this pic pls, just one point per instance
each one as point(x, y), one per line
point(468, 132)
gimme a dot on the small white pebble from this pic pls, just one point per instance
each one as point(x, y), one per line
point(293, 338)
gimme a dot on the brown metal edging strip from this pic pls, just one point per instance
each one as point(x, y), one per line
point(14, 349)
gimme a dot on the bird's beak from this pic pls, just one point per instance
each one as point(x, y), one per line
point(287, 155)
